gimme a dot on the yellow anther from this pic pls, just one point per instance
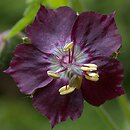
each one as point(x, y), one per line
point(68, 46)
point(66, 90)
point(53, 74)
point(92, 76)
point(88, 67)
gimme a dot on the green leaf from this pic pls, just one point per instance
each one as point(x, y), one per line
point(57, 3)
point(77, 5)
point(29, 14)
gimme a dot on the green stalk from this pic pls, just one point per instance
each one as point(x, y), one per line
point(109, 121)
point(124, 104)
point(20, 25)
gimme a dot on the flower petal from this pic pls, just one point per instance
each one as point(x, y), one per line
point(97, 33)
point(56, 107)
point(29, 68)
point(51, 28)
point(109, 84)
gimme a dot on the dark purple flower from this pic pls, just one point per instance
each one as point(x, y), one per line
point(68, 61)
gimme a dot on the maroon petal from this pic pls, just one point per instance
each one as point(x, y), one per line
point(58, 108)
point(51, 28)
point(28, 68)
point(109, 84)
point(97, 33)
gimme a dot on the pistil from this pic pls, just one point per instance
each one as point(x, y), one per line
point(75, 81)
point(68, 70)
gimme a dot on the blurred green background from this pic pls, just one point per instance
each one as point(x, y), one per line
point(16, 111)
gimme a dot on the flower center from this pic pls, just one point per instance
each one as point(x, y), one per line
point(68, 63)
